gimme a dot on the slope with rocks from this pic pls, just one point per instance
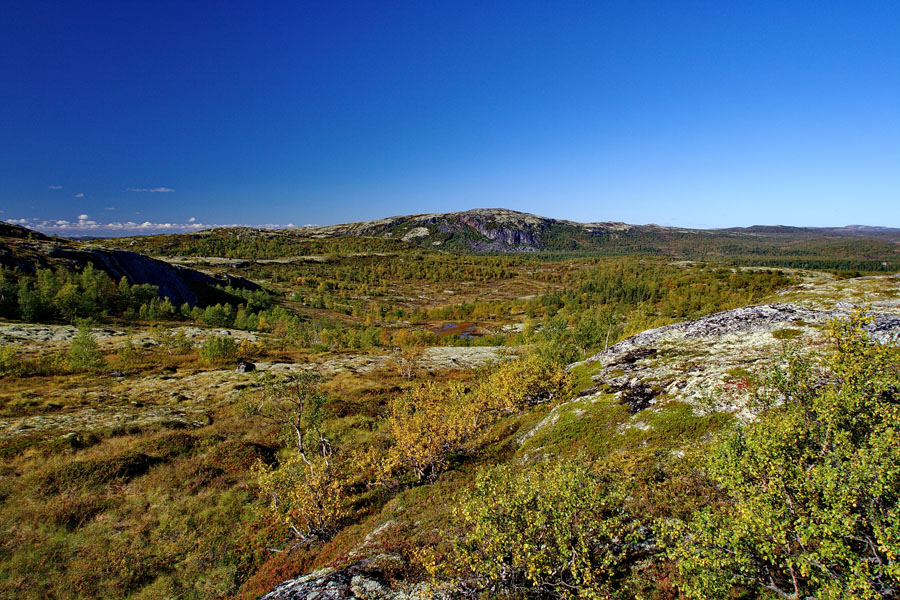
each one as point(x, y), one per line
point(655, 379)
point(179, 284)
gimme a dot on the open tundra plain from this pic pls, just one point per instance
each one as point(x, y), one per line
point(473, 403)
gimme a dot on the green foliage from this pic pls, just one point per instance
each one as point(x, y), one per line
point(555, 343)
point(218, 349)
point(70, 296)
point(11, 364)
point(296, 405)
point(556, 529)
point(595, 328)
point(84, 352)
point(810, 490)
point(172, 343)
point(787, 334)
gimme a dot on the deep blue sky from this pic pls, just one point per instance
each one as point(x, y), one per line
point(704, 114)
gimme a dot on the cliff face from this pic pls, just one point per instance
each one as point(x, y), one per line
point(480, 230)
point(179, 284)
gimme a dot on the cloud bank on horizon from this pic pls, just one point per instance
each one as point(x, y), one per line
point(83, 225)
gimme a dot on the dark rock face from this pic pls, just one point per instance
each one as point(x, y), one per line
point(179, 284)
point(358, 581)
point(506, 236)
point(635, 394)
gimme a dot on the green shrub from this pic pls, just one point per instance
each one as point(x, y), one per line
point(786, 334)
point(11, 364)
point(84, 353)
point(218, 348)
point(810, 491)
point(556, 529)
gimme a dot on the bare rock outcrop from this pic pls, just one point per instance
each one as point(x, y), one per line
point(362, 580)
point(749, 318)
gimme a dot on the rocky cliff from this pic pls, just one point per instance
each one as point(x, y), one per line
point(480, 230)
point(179, 284)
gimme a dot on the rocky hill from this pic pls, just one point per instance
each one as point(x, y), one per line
point(502, 230)
point(489, 230)
point(702, 365)
point(853, 248)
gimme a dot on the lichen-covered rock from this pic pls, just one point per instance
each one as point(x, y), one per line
point(707, 362)
point(359, 581)
point(765, 317)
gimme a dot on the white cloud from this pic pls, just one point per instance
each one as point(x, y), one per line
point(79, 195)
point(110, 208)
point(86, 226)
point(192, 220)
point(54, 187)
point(156, 190)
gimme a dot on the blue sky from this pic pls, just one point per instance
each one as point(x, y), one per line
point(128, 116)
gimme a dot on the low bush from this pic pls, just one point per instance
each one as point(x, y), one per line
point(218, 348)
point(555, 529)
point(526, 381)
point(11, 364)
point(307, 495)
point(810, 491)
point(84, 353)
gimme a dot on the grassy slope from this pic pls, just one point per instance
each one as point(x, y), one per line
point(169, 508)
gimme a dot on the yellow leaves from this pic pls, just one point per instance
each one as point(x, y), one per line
point(555, 526)
point(428, 423)
point(408, 352)
point(308, 495)
point(528, 380)
point(432, 421)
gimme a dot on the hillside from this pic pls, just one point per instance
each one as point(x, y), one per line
point(25, 251)
point(388, 420)
point(501, 231)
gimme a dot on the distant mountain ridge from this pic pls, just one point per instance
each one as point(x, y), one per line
point(486, 230)
point(503, 230)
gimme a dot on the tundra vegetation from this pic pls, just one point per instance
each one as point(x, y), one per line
point(518, 478)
